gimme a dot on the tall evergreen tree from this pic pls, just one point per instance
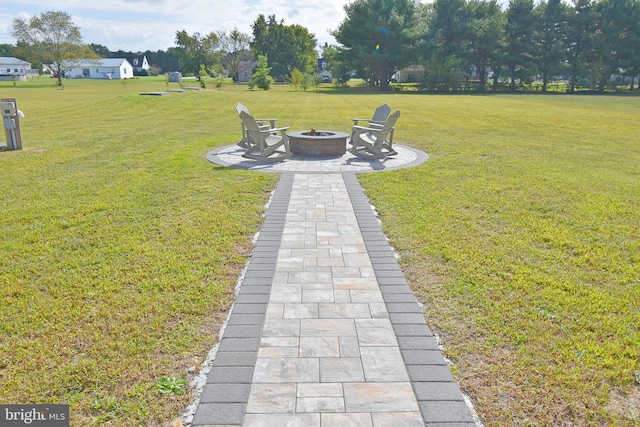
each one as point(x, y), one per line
point(628, 41)
point(550, 39)
point(377, 37)
point(632, 42)
point(519, 46)
point(485, 37)
point(615, 46)
point(449, 27)
point(581, 27)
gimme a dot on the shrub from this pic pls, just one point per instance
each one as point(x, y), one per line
point(261, 77)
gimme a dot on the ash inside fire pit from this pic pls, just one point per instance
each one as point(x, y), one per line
point(314, 132)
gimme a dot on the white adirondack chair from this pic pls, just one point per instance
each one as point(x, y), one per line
point(244, 141)
point(374, 142)
point(379, 116)
point(377, 121)
point(266, 145)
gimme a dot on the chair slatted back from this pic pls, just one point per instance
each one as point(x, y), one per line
point(391, 121)
point(249, 122)
point(381, 114)
point(241, 107)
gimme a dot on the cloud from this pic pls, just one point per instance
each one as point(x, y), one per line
point(139, 25)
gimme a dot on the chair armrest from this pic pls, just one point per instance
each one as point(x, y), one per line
point(272, 121)
point(272, 130)
point(366, 128)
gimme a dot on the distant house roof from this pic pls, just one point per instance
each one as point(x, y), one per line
point(413, 68)
point(102, 62)
point(139, 62)
point(8, 60)
point(247, 65)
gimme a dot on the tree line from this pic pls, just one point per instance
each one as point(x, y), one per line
point(287, 48)
point(460, 42)
point(53, 39)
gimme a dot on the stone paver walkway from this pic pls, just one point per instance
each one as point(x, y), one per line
point(325, 330)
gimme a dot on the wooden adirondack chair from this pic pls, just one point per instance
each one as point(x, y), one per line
point(377, 121)
point(374, 142)
point(264, 144)
point(244, 141)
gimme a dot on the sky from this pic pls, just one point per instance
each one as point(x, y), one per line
point(140, 25)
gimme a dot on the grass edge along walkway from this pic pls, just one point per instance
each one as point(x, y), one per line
point(327, 225)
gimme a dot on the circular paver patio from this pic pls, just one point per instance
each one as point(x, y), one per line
point(231, 156)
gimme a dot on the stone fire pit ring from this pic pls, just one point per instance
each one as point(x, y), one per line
point(321, 143)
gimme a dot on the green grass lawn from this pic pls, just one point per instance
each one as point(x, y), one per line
point(120, 245)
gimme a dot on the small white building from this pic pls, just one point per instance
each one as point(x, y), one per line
point(175, 76)
point(15, 69)
point(410, 74)
point(325, 76)
point(101, 68)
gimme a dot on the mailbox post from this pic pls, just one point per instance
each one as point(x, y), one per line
point(11, 123)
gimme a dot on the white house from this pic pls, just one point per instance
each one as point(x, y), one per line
point(101, 68)
point(14, 69)
point(139, 63)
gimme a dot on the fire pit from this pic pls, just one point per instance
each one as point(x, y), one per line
point(318, 143)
